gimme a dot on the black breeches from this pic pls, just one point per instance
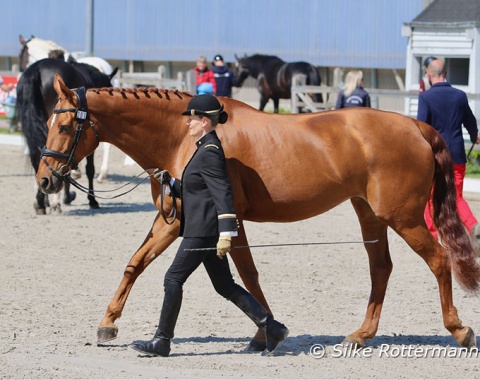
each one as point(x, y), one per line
point(185, 263)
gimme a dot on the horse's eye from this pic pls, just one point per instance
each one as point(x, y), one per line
point(65, 128)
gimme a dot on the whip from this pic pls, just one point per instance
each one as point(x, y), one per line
point(289, 244)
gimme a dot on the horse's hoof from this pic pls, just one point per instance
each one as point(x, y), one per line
point(256, 346)
point(106, 334)
point(56, 209)
point(94, 205)
point(102, 178)
point(350, 342)
point(67, 199)
point(40, 211)
point(470, 340)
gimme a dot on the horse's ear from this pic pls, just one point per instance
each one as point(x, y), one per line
point(59, 85)
point(22, 40)
point(236, 57)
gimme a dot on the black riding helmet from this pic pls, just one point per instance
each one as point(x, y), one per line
point(206, 105)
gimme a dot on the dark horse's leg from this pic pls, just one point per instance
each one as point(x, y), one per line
point(90, 169)
point(262, 87)
point(276, 103)
point(39, 204)
point(68, 196)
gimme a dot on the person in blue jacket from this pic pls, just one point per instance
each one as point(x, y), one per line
point(446, 109)
point(208, 220)
point(224, 77)
point(353, 94)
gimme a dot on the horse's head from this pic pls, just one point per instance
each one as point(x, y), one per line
point(241, 70)
point(71, 137)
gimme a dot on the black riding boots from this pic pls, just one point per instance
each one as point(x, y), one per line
point(160, 344)
point(275, 331)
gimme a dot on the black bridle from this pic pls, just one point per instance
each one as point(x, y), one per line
point(81, 116)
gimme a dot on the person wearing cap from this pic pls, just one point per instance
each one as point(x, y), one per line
point(424, 83)
point(446, 109)
point(205, 80)
point(224, 77)
point(208, 220)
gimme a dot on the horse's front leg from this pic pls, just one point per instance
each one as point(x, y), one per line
point(276, 105)
point(243, 261)
point(158, 239)
point(90, 169)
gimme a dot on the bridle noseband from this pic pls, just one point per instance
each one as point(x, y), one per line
point(81, 116)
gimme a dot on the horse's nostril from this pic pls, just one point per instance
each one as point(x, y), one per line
point(44, 183)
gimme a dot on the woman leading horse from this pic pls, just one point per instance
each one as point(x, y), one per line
point(397, 159)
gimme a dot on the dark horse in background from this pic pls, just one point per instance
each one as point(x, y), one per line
point(274, 77)
point(36, 99)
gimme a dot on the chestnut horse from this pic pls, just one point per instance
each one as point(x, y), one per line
point(397, 159)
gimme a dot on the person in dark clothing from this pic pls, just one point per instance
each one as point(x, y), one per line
point(353, 95)
point(224, 77)
point(208, 220)
point(446, 109)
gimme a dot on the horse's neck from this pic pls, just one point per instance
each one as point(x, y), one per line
point(260, 64)
point(148, 129)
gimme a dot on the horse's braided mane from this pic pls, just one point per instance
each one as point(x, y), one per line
point(145, 91)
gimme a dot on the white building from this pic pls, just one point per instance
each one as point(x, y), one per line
point(448, 30)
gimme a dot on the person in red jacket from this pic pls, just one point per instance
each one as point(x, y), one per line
point(205, 81)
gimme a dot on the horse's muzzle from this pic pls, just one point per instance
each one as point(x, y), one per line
point(50, 184)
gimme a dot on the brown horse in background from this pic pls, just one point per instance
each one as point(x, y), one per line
point(283, 168)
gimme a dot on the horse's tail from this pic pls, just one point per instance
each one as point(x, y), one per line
point(30, 110)
point(453, 234)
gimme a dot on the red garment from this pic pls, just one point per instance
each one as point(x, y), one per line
point(205, 77)
point(464, 211)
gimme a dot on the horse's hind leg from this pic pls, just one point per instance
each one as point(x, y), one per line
point(243, 261)
point(380, 269)
point(90, 169)
point(422, 242)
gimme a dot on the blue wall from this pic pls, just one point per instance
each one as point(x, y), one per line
point(347, 33)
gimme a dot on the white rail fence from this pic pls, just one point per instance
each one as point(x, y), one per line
point(301, 99)
point(158, 79)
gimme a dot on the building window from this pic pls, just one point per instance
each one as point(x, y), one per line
point(457, 70)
